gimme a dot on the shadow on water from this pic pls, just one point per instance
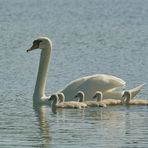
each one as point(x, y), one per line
point(41, 112)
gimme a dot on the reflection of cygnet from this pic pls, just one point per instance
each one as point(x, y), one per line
point(127, 99)
point(81, 97)
point(99, 97)
point(59, 104)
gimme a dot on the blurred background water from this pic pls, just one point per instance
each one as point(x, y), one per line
point(88, 37)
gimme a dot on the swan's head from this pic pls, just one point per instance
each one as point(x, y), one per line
point(126, 96)
point(98, 95)
point(80, 95)
point(42, 43)
point(61, 97)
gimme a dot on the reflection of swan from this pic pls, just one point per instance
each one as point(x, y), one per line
point(128, 101)
point(89, 85)
point(69, 104)
point(41, 113)
point(81, 97)
point(99, 97)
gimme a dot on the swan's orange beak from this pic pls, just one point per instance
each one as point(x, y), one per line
point(34, 46)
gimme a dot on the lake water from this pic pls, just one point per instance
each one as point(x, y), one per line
point(89, 37)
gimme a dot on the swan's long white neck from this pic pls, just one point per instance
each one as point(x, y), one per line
point(39, 92)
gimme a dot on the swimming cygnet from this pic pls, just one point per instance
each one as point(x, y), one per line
point(59, 102)
point(127, 99)
point(99, 97)
point(61, 97)
point(81, 97)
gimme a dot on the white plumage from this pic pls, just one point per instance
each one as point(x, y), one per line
point(89, 84)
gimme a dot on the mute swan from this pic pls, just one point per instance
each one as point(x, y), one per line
point(81, 97)
point(89, 84)
point(128, 101)
point(70, 104)
point(99, 97)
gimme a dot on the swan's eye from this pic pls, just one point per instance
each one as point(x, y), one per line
point(37, 42)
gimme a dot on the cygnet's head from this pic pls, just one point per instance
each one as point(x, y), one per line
point(126, 96)
point(54, 98)
point(42, 43)
point(80, 95)
point(98, 95)
point(61, 97)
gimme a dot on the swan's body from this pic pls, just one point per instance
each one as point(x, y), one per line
point(70, 104)
point(89, 85)
point(99, 97)
point(128, 101)
point(81, 97)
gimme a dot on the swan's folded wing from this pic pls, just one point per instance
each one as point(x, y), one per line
point(90, 84)
point(105, 82)
point(101, 81)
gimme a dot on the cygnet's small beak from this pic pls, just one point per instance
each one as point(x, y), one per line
point(34, 46)
point(123, 96)
point(49, 99)
point(94, 97)
point(75, 96)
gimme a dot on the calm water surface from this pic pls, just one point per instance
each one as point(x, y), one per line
point(89, 37)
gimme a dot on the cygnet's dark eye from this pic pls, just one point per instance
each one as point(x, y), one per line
point(37, 42)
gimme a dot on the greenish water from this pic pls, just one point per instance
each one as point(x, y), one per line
point(89, 37)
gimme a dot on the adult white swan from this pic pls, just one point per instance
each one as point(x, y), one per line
point(89, 85)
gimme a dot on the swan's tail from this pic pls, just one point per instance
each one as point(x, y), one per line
point(136, 90)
